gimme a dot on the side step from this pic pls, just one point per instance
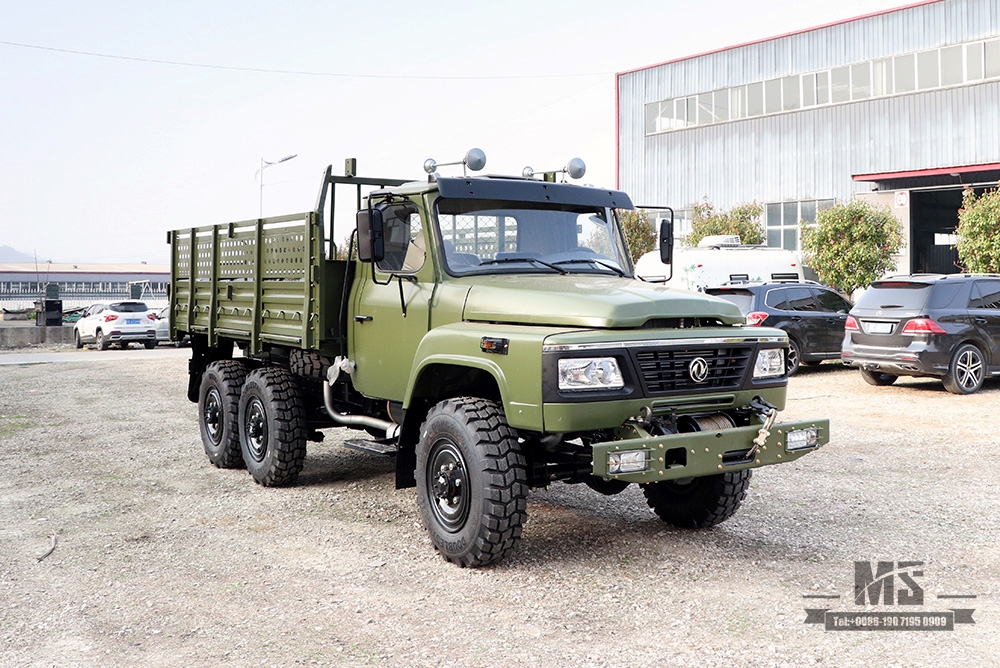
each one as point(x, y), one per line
point(380, 447)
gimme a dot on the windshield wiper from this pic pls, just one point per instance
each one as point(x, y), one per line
point(600, 263)
point(504, 260)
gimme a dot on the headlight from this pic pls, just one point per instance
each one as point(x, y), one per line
point(629, 461)
point(590, 373)
point(770, 363)
point(802, 438)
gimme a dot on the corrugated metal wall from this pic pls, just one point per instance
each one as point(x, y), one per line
point(811, 153)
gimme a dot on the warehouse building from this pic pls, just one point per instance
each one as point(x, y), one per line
point(901, 107)
point(21, 283)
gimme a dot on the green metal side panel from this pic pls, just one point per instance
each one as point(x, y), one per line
point(258, 281)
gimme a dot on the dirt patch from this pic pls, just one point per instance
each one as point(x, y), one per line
point(163, 560)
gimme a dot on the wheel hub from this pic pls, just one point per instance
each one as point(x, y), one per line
point(448, 487)
point(256, 431)
point(448, 483)
point(213, 416)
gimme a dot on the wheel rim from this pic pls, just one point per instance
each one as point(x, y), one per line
point(255, 428)
point(447, 485)
point(793, 355)
point(212, 416)
point(969, 369)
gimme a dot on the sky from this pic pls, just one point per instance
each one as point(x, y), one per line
point(166, 127)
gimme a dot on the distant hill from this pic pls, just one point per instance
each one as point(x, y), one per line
point(8, 254)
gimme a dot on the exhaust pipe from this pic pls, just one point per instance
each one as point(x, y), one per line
point(391, 429)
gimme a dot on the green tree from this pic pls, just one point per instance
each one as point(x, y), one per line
point(640, 235)
point(852, 244)
point(742, 219)
point(978, 233)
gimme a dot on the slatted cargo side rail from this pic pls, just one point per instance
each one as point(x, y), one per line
point(256, 280)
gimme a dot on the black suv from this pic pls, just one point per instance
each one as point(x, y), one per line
point(927, 325)
point(812, 315)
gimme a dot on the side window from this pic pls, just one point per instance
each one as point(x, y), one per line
point(985, 295)
point(405, 250)
point(831, 301)
point(800, 299)
point(776, 299)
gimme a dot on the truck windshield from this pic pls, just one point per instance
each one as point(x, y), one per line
point(487, 237)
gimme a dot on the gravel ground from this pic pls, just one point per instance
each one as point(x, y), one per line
point(163, 560)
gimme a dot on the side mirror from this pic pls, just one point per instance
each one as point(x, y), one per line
point(667, 240)
point(371, 236)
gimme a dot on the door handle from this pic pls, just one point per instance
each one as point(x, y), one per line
point(362, 318)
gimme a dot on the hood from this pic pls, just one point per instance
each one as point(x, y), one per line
point(578, 300)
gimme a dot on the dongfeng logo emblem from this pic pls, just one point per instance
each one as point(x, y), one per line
point(698, 369)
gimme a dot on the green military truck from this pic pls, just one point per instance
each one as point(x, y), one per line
point(487, 333)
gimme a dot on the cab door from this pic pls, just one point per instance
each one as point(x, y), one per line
point(390, 311)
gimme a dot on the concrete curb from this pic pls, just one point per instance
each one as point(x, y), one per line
point(22, 337)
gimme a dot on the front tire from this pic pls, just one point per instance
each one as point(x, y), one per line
point(697, 503)
point(878, 378)
point(471, 481)
point(218, 412)
point(966, 371)
point(76, 339)
point(272, 425)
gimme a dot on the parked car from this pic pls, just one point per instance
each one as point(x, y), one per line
point(812, 315)
point(118, 322)
point(163, 328)
point(945, 326)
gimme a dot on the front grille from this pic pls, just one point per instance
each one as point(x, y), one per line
point(666, 371)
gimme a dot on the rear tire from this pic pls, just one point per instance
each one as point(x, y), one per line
point(698, 503)
point(102, 343)
point(472, 482)
point(966, 371)
point(272, 426)
point(878, 378)
point(149, 344)
point(218, 412)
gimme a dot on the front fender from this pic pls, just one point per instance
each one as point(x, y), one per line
point(517, 371)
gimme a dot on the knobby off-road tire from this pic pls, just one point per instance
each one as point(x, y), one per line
point(697, 503)
point(878, 378)
point(219, 410)
point(272, 423)
point(471, 481)
point(966, 371)
point(308, 363)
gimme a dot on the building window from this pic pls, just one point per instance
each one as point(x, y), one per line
point(782, 220)
point(927, 70)
point(952, 72)
point(861, 81)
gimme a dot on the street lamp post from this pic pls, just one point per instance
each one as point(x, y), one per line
point(264, 164)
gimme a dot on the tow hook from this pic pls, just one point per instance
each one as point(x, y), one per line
point(767, 411)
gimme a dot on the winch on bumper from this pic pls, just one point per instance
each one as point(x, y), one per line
point(642, 457)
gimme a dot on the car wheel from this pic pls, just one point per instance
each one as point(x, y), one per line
point(149, 344)
point(218, 412)
point(697, 503)
point(878, 378)
point(76, 338)
point(966, 371)
point(102, 343)
point(471, 481)
point(793, 357)
point(272, 427)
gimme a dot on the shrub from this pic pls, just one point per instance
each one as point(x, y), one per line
point(852, 244)
point(742, 219)
point(978, 238)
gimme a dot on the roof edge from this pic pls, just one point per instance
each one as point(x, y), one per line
point(964, 169)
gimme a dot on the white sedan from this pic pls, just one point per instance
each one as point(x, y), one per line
point(118, 322)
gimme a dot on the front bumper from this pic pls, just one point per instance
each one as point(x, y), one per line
point(697, 454)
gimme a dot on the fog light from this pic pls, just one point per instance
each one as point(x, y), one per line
point(630, 461)
point(802, 438)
